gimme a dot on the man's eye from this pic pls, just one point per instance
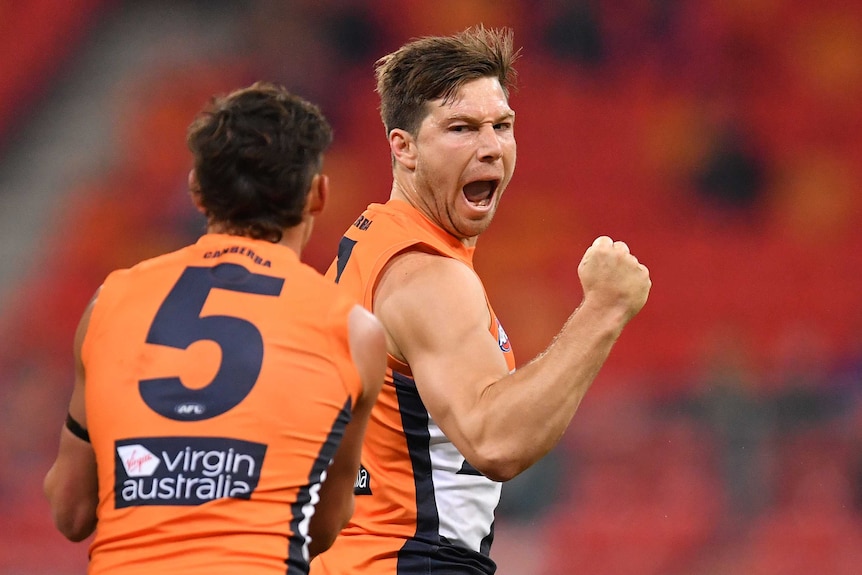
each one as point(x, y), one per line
point(458, 128)
point(503, 126)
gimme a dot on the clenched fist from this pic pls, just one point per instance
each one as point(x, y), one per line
point(613, 278)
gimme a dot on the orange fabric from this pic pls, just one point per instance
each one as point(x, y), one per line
point(218, 474)
point(401, 507)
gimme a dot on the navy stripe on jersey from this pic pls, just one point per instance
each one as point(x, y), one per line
point(428, 552)
point(345, 248)
point(414, 419)
point(297, 564)
point(487, 541)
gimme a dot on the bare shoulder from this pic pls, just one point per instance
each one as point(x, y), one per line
point(363, 323)
point(84, 324)
point(424, 272)
point(367, 338)
point(368, 349)
point(424, 298)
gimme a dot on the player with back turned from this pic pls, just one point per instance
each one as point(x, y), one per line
point(222, 390)
point(454, 417)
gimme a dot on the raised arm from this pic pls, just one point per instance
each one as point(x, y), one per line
point(71, 485)
point(437, 320)
point(368, 348)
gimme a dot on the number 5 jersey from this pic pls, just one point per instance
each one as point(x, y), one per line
point(218, 386)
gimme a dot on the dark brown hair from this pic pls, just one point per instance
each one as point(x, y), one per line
point(256, 151)
point(435, 67)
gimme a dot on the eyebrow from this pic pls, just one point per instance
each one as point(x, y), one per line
point(468, 119)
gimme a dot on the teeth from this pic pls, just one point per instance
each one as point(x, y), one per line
point(479, 193)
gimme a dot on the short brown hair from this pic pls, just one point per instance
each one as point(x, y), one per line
point(435, 67)
point(256, 151)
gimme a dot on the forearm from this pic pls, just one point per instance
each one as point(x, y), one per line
point(75, 521)
point(71, 488)
point(522, 416)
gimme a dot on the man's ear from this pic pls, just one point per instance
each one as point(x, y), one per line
point(195, 191)
point(318, 194)
point(403, 147)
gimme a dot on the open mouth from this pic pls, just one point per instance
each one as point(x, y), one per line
point(480, 192)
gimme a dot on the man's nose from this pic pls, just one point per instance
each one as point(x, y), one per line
point(489, 143)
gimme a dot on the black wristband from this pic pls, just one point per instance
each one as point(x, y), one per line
point(76, 428)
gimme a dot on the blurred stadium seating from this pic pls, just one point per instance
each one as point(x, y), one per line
point(721, 140)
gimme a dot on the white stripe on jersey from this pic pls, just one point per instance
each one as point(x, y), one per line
point(465, 503)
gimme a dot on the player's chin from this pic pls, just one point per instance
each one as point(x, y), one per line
point(475, 225)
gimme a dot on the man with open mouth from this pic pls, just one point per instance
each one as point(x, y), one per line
point(454, 417)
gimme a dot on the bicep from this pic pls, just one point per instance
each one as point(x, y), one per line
point(438, 316)
point(368, 351)
point(71, 484)
point(335, 506)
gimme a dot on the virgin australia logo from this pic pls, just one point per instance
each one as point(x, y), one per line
point(138, 461)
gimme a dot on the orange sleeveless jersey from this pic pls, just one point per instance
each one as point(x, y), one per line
point(420, 506)
point(219, 383)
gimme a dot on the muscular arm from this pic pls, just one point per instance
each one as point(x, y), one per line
point(368, 348)
point(71, 485)
point(436, 318)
